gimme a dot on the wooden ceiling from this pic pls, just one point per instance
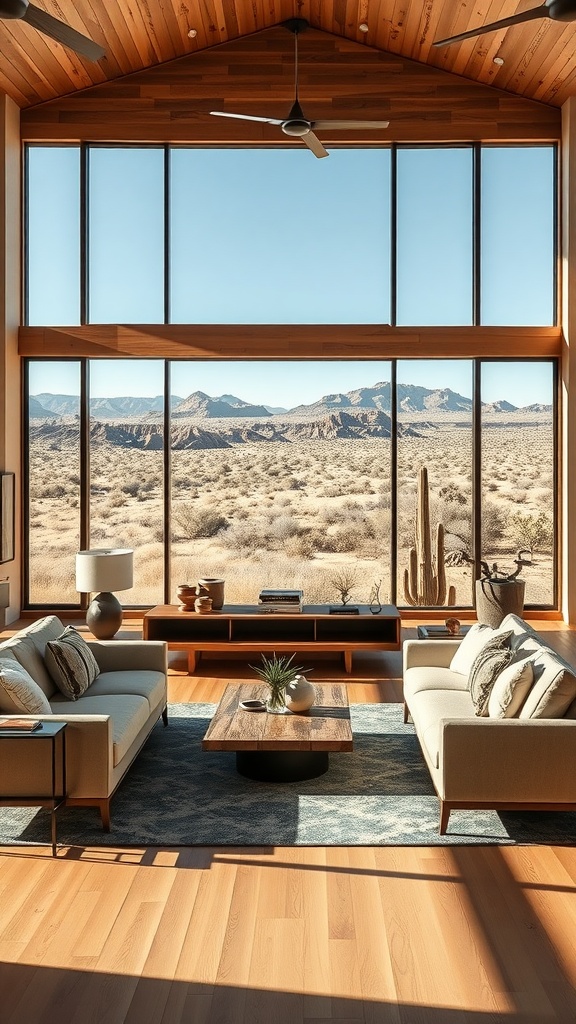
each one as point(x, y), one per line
point(539, 56)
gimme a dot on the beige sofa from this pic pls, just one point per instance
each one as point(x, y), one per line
point(107, 726)
point(518, 763)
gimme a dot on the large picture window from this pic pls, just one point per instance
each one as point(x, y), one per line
point(284, 474)
point(408, 235)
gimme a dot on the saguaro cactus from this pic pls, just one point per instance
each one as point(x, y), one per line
point(425, 579)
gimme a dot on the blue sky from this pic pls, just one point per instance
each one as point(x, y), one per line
point(276, 236)
point(291, 383)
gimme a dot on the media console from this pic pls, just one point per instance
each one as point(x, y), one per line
point(244, 628)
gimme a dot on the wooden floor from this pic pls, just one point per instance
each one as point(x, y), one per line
point(272, 935)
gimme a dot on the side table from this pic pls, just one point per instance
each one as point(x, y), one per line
point(55, 734)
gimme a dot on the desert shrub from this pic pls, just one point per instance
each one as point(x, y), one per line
point(494, 522)
point(132, 488)
point(300, 546)
point(531, 531)
point(349, 537)
point(452, 493)
point(196, 524)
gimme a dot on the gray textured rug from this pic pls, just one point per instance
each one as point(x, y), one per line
point(378, 795)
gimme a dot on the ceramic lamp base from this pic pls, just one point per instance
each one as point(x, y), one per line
point(104, 616)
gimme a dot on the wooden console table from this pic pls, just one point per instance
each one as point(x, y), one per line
point(242, 628)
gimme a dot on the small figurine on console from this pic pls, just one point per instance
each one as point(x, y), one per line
point(453, 626)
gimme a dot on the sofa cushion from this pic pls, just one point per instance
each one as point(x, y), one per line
point(490, 661)
point(470, 647)
point(554, 687)
point(429, 708)
point(141, 682)
point(129, 715)
point(510, 689)
point(431, 678)
point(18, 691)
point(71, 663)
point(29, 647)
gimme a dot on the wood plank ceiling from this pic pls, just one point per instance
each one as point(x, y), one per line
point(539, 56)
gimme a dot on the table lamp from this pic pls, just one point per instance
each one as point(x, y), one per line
point(99, 572)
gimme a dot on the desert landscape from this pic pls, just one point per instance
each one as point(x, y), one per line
point(268, 497)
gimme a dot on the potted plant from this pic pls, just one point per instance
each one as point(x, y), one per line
point(500, 593)
point(277, 673)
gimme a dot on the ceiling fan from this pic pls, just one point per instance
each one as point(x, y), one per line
point(22, 10)
point(557, 10)
point(296, 124)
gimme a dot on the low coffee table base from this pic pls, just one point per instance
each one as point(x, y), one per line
point(282, 765)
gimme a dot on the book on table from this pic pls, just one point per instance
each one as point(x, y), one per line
point(19, 725)
point(280, 597)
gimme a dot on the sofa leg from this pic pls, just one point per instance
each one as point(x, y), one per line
point(444, 816)
point(406, 713)
point(165, 715)
point(105, 814)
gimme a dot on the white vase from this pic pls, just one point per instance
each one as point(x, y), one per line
point(300, 694)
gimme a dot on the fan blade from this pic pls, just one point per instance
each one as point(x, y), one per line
point(247, 117)
point(348, 125)
point(62, 33)
point(531, 15)
point(314, 144)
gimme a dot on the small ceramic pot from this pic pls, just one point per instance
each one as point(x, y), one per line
point(208, 587)
point(300, 694)
point(186, 595)
point(203, 605)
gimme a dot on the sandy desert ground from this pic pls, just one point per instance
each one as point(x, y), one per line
point(294, 514)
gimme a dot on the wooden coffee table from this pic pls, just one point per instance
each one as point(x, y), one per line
point(281, 748)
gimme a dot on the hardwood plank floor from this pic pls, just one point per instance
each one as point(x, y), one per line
point(441, 935)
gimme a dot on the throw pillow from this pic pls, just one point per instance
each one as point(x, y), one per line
point(470, 647)
point(71, 663)
point(511, 688)
point(495, 655)
point(19, 693)
point(554, 687)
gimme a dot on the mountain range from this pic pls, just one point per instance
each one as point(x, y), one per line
point(411, 398)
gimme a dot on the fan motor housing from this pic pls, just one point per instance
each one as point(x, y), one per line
point(13, 8)
point(297, 127)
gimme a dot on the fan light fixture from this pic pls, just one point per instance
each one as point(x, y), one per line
point(296, 124)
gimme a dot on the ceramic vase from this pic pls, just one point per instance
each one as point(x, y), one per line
point(300, 694)
point(495, 599)
point(213, 588)
point(203, 605)
point(186, 595)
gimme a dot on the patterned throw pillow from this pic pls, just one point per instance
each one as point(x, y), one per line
point(19, 693)
point(71, 663)
point(487, 666)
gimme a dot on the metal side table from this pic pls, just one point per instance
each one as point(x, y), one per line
point(55, 734)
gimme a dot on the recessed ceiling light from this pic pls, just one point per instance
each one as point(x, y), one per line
point(498, 60)
point(363, 27)
point(192, 33)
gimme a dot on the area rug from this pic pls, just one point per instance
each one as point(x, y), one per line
point(380, 794)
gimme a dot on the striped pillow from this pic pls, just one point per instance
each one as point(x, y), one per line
point(71, 663)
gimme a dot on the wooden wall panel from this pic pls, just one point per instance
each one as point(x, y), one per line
point(287, 341)
point(254, 75)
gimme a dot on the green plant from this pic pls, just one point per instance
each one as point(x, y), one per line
point(425, 579)
point(277, 673)
point(535, 531)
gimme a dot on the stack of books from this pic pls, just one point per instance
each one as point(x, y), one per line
point(287, 602)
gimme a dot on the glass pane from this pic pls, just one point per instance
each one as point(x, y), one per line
point(281, 477)
point(518, 472)
point(53, 242)
point(126, 469)
point(435, 432)
point(126, 236)
point(276, 236)
point(434, 247)
point(517, 236)
point(54, 481)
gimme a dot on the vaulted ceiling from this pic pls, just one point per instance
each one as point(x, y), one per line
point(539, 57)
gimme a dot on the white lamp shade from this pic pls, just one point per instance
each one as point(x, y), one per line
point(104, 569)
